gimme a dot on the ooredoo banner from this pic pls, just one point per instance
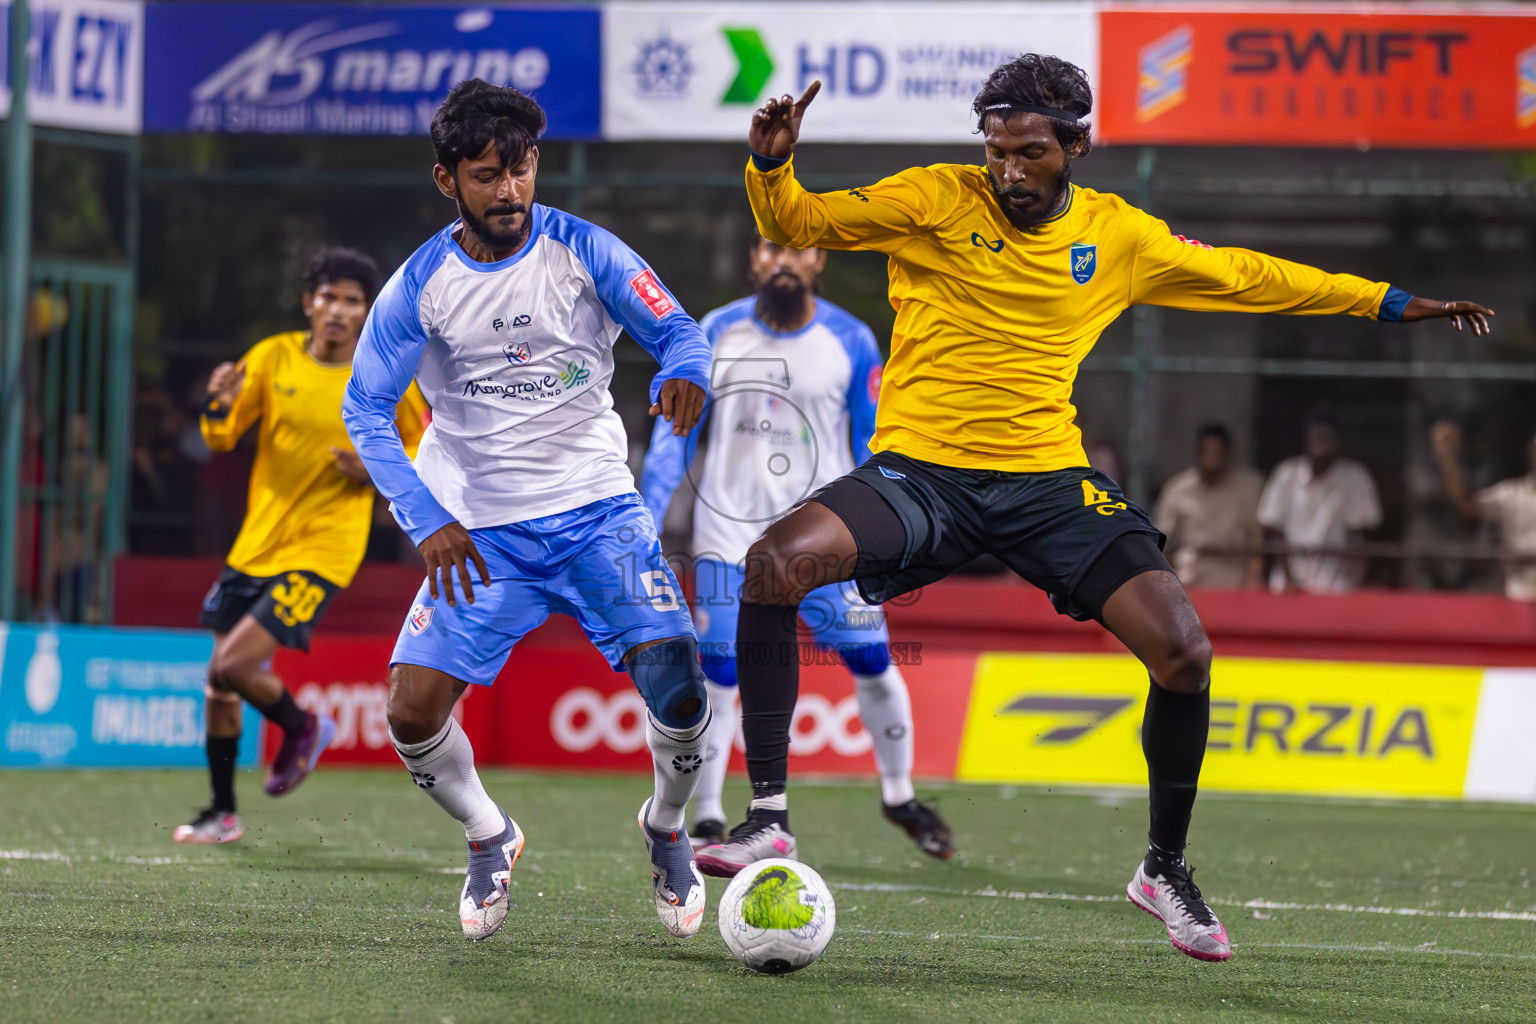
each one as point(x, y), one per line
point(1324, 75)
point(360, 70)
point(890, 72)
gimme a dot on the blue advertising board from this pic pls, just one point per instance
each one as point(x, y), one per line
point(92, 696)
point(284, 68)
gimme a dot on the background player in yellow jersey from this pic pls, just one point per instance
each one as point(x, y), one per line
point(1002, 277)
point(306, 524)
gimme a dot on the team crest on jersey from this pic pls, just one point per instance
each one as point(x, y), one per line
point(517, 352)
point(419, 619)
point(656, 300)
point(1085, 260)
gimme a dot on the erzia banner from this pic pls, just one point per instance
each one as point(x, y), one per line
point(890, 72)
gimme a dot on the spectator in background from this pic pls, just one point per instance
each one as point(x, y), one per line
point(1210, 512)
point(1511, 506)
point(1434, 520)
point(168, 452)
point(1319, 500)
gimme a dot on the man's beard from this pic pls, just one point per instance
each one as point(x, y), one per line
point(1044, 211)
point(781, 299)
point(490, 236)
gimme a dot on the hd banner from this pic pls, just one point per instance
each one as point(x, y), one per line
point(1323, 75)
point(288, 68)
point(890, 72)
point(90, 696)
point(87, 60)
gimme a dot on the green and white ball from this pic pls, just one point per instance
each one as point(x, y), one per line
point(777, 916)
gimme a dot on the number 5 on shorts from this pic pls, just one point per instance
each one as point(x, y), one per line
point(663, 597)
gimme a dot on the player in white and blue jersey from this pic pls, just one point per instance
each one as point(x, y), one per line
point(519, 498)
point(792, 399)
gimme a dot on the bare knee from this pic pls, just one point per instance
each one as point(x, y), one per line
point(778, 572)
point(417, 711)
point(226, 670)
point(1185, 666)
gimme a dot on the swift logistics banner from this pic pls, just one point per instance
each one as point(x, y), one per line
point(87, 64)
point(890, 72)
point(89, 696)
point(360, 70)
point(1318, 76)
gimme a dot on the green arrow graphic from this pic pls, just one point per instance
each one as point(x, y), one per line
point(756, 65)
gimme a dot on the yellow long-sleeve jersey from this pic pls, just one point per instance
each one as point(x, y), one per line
point(300, 513)
point(992, 322)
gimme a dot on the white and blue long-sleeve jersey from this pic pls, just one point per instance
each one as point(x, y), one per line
point(515, 358)
point(786, 413)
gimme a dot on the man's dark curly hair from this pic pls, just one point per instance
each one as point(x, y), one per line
point(476, 113)
point(1040, 80)
point(338, 264)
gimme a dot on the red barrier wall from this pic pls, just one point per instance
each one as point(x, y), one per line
point(999, 613)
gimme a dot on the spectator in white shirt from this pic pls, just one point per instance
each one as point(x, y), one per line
point(1209, 512)
point(1319, 500)
point(1511, 506)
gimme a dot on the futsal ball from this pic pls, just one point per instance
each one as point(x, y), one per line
point(777, 916)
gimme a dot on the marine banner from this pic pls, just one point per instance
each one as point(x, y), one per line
point(1318, 75)
point(890, 72)
point(292, 68)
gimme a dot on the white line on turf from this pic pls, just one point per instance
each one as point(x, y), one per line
point(985, 936)
point(1338, 908)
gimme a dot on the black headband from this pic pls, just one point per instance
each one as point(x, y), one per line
point(1031, 108)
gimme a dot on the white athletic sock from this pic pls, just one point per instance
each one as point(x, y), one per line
point(444, 766)
point(886, 711)
point(717, 753)
point(677, 755)
point(776, 802)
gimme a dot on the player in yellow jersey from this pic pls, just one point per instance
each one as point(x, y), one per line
point(1003, 277)
point(306, 524)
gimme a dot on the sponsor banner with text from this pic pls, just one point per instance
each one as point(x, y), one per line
point(87, 64)
point(1325, 75)
point(1336, 728)
point(564, 707)
point(90, 696)
point(890, 72)
point(290, 68)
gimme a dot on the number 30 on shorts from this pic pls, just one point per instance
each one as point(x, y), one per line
point(296, 602)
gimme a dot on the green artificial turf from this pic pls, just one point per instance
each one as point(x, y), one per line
point(340, 905)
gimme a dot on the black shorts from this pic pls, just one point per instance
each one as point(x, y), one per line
point(287, 605)
point(1050, 528)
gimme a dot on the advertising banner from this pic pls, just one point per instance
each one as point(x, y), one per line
point(97, 697)
point(890, 72)
point(563, 707)
point(87, 64)
point(360, 70)
point(1318, 76)
point(1336, 728)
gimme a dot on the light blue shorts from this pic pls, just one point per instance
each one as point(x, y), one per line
point(600, 564)
point(836, 615)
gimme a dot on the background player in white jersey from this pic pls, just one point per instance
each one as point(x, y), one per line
point(507, 320)
point(794, 379)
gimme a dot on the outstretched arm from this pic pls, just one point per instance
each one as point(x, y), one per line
point(1171, 270)
point(386, 359)
point(231, 406)
point(882, 216)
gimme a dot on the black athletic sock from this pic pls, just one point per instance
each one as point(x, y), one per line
point(1173, 736)
point(285, 713)
point(222, 751)
point(768, 676)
